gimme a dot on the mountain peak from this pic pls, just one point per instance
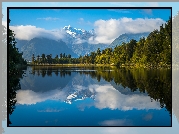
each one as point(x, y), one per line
point(67, 27)
point(126, 37)
point(70, 28)
point(78, 32)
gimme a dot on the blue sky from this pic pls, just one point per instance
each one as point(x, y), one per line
point(107, 130)
point(108, 24)
point(80, 18)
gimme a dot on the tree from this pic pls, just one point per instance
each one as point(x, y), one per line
point(69, 56)
point(98, 51)
point(43, 58)
point(92, 57)
point(33, 59)
point(56, 59)
point(15, 58)
point(138, 51)
point(49, 59)
point(130, 49)
point(64, 55)
point(15, 61)
point(61, 55)
point(38, 59)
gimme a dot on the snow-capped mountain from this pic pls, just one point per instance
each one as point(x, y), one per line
point(78, 88)
point(78, 40)
point(75, 42)
point(79, 33)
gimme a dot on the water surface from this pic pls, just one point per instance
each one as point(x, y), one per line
point(56, 96)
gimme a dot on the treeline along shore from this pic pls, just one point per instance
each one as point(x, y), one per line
point(151, 52)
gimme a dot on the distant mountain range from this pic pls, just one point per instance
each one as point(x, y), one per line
point(127, 37)
point(77, 40)
point(75, 43)
point(79, 33)
point(38, 46)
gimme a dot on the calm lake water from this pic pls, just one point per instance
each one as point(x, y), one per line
point(54, 96)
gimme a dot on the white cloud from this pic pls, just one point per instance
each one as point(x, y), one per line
point(80, 87)
point(116, 122)
point(121, 10)
point(81, 21)
point(79, 41)
point(108, 30)
point(30, 97)
point(29, 32)
point(108, 97)
point(50, 110)
point(147, 11)
point(48, 19)
point(148, 117)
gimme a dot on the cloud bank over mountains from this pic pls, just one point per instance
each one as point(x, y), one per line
point(105, 30)
point(108, 30)
point(29, 32)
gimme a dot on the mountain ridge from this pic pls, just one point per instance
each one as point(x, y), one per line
point(127, 37)
point(39, 46)
point(74, 43)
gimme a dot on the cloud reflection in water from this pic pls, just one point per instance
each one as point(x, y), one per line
point(106, 96)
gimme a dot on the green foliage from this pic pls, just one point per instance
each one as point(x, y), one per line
point(154, 51)
point(156, 82)
point(15, 58)
point(15, 64)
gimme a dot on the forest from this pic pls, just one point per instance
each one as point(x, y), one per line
point(15, 67)
point(153, 52)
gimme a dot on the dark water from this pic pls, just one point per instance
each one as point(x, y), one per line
point(53, 96)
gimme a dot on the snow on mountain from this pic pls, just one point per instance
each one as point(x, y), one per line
point(78, 40)
point(78, 33)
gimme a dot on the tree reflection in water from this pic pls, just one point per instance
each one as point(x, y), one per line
point(155, 82)
point(14, 84)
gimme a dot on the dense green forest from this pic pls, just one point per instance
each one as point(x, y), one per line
point(153, 51)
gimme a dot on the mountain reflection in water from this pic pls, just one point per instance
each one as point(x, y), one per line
point(102, 89)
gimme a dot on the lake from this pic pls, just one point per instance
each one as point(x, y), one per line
point(93, 96)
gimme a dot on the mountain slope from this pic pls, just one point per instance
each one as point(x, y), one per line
point(75, 42)
point(38, 46)
point(78, 40)
point(127, 37)
point(79, 33)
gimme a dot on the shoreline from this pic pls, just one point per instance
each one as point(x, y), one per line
point(102, 65)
